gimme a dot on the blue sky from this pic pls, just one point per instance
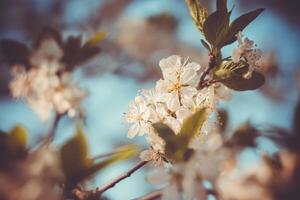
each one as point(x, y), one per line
point(110, 94)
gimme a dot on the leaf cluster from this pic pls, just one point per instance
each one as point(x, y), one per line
point(176, 146)
point(75, 52)
point(13, 145)
point(219, 32)
point(78, 166)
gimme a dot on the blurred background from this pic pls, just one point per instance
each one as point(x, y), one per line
point(141, 32)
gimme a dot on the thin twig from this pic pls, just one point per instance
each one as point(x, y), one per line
point(52, 131)
point(211, 64)
point(126, 174)
point(208, 83)
point(151, 196)
point(51, 134)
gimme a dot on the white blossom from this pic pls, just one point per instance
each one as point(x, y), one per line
point(179, 180)
point(172, 100)
point(246, 51)
point(137, 115)
point(246, 184)
point(46, 91)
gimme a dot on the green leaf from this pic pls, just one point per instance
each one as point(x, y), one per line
point(176, 147)
point(171, 139)
point(198, 13)
point(13, 145)
point(78, 166)
point(232, 75)
point(239, 24)
point(98, 37)
point(74, 157)
point(216, 27)
point(123, 153)
point(222, 5)
point(193, 124)
point(17, 139)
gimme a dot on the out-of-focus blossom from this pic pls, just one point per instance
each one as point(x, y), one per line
point(47, 85)
point(37, 177)
point(46, 90)
point(152, 156)
point(180, 181)
point(249, 184)
point(246, 51)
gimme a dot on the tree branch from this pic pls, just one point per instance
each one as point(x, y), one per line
point(118, 179)
point(211, 64)
point(208, 83)
point(52, 131)
point(151, 196)
point(51, 134)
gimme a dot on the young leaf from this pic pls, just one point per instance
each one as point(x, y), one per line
point(231, 74)
point(18, 139)
point(176, 147)
point(198, 13)
point(78, 166)
point(170, 138)
point(124, 153)
point(216, 27)
point(239, 24)
point(14, 52)
point(222, 5)
point(98, 37)
point(193, 124)
point(74, 157)
point(12, 145)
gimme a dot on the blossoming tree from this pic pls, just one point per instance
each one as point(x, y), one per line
point(191, 154)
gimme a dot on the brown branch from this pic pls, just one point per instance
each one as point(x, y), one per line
point(52, 131)
point(208, 83)
point(51, 134)
point(151, 196)
point(118, 179)
point(211, 64)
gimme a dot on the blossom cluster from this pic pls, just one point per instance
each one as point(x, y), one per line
point(248, 52)
point(174, 98)
point(46, 86)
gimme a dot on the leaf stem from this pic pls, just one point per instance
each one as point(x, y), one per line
point(53, 129)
